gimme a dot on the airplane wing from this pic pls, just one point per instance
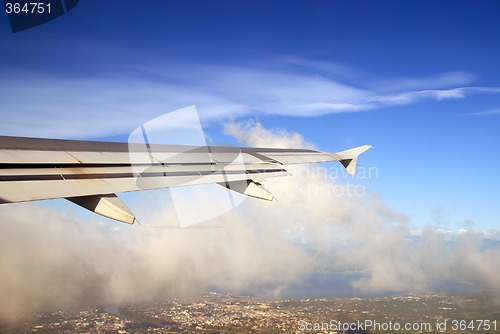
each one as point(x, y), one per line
point(90, 173)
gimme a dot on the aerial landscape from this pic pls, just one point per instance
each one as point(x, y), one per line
point(249, 167)
point(214, 313)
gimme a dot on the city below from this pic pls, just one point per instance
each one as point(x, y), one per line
point(216, 313)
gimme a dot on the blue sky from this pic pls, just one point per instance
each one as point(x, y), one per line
point(419, 80)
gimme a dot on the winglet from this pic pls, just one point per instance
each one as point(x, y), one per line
point(348, 158)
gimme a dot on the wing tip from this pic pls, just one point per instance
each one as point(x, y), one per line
point(349, 158)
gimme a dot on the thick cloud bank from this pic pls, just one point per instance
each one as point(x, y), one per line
point(54, 259)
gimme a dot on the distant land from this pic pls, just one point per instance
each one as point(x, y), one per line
point(216, 313)
point(339, 285)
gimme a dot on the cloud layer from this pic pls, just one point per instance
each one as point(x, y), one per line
point(52, 259)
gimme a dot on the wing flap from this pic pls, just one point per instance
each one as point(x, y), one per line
point(108, 205)
point(40, 157)
point(347, 158)
point(290, 158)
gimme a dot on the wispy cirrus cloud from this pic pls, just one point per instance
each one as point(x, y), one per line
point(38, 104)
point(486, 112)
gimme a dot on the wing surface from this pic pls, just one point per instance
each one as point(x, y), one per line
point(90, 173)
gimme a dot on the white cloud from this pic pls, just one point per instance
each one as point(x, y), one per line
point(38, 104)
